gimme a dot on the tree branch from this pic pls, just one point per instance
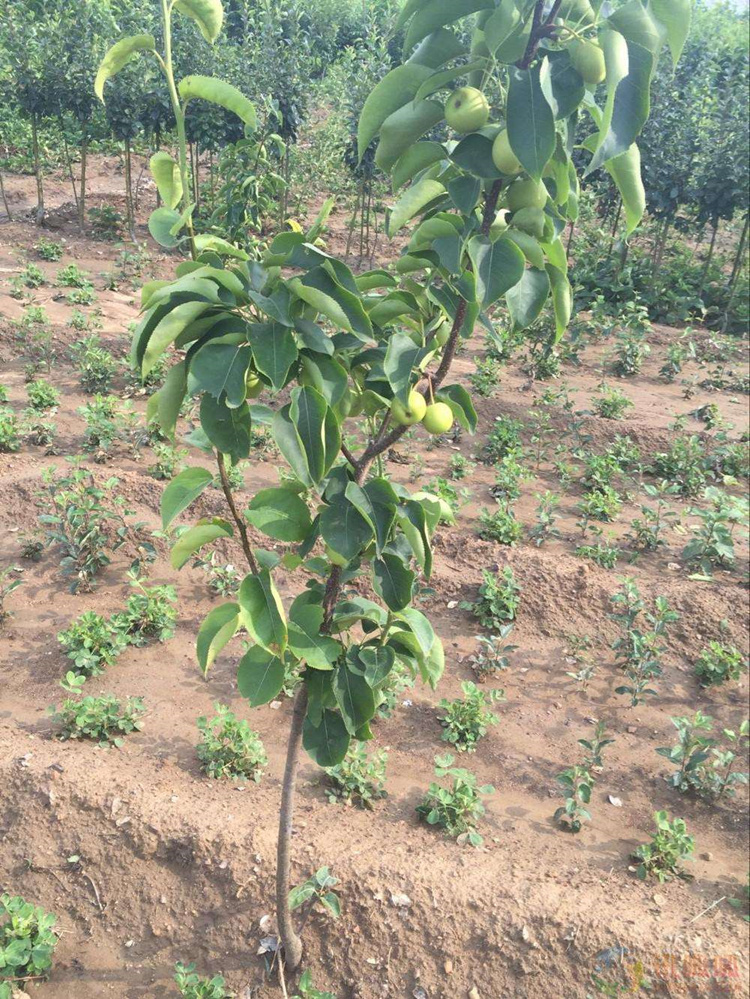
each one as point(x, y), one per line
point(540, 27)
point(241, 527)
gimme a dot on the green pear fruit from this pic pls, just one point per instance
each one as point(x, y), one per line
point(467, 110)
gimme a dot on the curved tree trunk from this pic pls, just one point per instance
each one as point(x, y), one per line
point(82, 198)
point(37, 170)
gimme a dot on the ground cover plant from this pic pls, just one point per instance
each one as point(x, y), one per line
point(392, 274)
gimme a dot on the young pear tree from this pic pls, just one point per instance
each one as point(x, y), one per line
point(350, 362)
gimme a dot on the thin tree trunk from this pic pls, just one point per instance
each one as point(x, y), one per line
point(5, 200)
point(69, 164)
point(37, 171)
point(704, 275)
point(196, 176)
point(129, 192)
point(82, 199)
point(570, 237)
point(289, 939)
point(739, 255)
point(614, 229)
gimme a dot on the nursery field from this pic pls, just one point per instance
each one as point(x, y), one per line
point(374, 462)
point(173, 865)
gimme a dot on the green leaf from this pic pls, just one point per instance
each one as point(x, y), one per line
point(501, 24)
point(561, 84)
point(395, 89)
point(327, 742)
point(402, 358)
point(375, 662)
point(355, 698)
point(208, 15)
point(208, 88)
point(412, 202)
point(343, 307)
point(306, 433)
point(260, 676)
point(404, 127)
point(531, 124)
point(227, 429)
point(161, 222)
point(262, 612)
point(440, 80)
point(169, 398)
point(630, 109)
point(562, 299)
point(170, 327)
point(166, 174)
point(675, 15)
point(461, 405)
point(438, 48)
point(498, 267)
point(526, 299)
point(274, 351)
point(191, 541)
point(393, 581)
point(221, 368)
point(474, 154)
point(625, 170)
point(637, 24)
point(344, 529)
point(182, 491)
point(218, 627)
point(215, 244)
point(436, 15)
point(280, 513)
point(118, 56)
point(464, 192)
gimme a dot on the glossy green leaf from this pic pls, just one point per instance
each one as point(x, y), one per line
point(438, 48)
point(227, 429)
point(192, 540)
point(215, 244)
point(638, 25)
point(501, 23)
point(181, 491)
point(221, 368)
point(218, 627)
point(412, 202)
point(675, 16)
point(395, 89)
point(327, 742)
point(355, 698)
point(436, 15)
point(281, 513)
point(531, 124)
point(402, 128)
point(207, 14)
point(625, 170)
point(393, 581)
point(262, 612)
point(562, 299)
point(402, 359)
point(630, 109)
point(166, 174)
point(161, 222)
point(440, 80)
point(274, 351)
point(526, 299)
point(460, 403)
point(208, 88)
point(120, 55)
point(167, 331)
point(498, 266)
point(260, 676)
point(344, 529)
point(474, 154)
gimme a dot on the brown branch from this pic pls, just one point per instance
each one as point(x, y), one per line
point(241, 527)
point(348, 455)
point(540, 28)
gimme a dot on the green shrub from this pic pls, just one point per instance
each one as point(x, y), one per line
point(92, 643)
point(359, 778)
point(149, 613)
point(457, 808)
point(611, 404)
point(669, 846)
point(229, 747)
point(96, 366)
point(42, 395)
point(104, 719)
point(684, 465)
point(27, 941)
point(192, 986)
point(48, 250)
point(501, 525)
point(719, 663)
point(498, 599)
point(10, 436)
point(466, 719)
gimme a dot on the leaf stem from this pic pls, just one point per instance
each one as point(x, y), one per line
point(241, 526)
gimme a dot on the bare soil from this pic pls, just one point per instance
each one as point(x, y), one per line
point(175, 866)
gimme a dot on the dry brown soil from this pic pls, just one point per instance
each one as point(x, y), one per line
point(176, 866)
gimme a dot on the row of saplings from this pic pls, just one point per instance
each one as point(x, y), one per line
point(230, 748)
